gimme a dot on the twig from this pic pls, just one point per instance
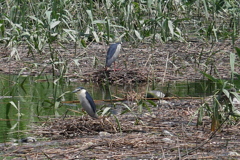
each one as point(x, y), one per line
point(150, 55)
point(166, 65)
point(46, 155)
point(213, 134)
point(124, 99)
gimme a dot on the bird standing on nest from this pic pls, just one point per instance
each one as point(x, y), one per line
point(86, 101)
point(112, 54)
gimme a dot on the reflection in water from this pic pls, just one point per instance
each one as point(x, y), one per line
point(40, 100)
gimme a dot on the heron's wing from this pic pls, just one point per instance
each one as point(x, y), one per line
point(112, 53)
point(90, 100)
point(111, 50)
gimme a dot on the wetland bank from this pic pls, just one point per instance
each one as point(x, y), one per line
point(166, 129)
point(49, 48)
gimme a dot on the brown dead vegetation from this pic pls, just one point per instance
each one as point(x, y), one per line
point(165, 133)
point(168, 132)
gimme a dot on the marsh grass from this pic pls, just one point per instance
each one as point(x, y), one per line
point(222, 109)
point(38, 23)
point(41, 26)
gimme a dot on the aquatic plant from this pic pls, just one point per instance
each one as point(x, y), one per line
point(223, 105)
point(38, 24)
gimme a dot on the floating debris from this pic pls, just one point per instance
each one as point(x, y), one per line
point(155, 94)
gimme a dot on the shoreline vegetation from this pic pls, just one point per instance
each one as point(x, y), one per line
point(171, 40)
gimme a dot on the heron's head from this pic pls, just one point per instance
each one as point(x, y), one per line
point(79, 89)
point(119, 42)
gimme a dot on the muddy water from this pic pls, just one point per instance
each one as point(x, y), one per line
point(27, 100)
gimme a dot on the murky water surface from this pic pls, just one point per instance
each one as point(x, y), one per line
point(26, 101)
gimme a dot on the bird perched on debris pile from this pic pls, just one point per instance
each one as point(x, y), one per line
point(86, 101)
point(112, 54)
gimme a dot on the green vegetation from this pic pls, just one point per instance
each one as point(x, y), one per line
point(42, 26)
point(223, 106)
point(42, 23)
point(44, 30)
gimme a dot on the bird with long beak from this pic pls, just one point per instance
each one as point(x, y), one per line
point(112, 54)
point(86, 101)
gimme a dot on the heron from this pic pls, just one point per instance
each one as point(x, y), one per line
point(86, 101)
point(112, 54)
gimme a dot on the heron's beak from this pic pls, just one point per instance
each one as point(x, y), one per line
point(76, 90)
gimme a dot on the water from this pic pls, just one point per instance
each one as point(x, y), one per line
point(26, 101)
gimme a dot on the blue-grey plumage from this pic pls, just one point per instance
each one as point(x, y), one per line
point(112, 53)
point(86, 101)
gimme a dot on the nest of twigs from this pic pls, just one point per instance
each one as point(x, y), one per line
point(126, 76)
point(70, 127)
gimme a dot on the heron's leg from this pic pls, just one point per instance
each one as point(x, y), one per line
point(114, 66)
